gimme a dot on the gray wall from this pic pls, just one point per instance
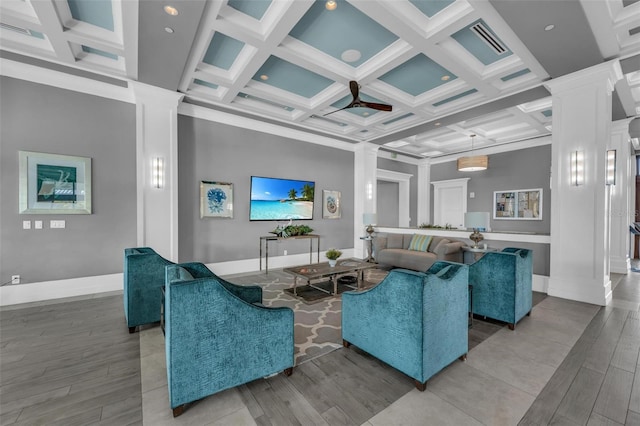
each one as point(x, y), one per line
point(388, 212)
point(217, 152)
point(396, 166)
point(523, 169)
point(47, 119)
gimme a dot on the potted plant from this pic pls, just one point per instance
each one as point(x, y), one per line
point(333, 255)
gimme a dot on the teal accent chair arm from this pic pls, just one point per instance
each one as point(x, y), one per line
point(416, 322)
point(249, 293)
point(215, 340)
point(502, 285)
point(143, 279)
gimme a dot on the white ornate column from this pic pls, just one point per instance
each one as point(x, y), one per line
point(579, 267)
point(424, 192)
point(365, 190)
point(157, 137)
point(621, 206)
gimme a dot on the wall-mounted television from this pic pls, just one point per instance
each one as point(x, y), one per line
point(281, 199)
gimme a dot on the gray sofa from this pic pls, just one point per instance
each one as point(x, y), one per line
point(393, 250)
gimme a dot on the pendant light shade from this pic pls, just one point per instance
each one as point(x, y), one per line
point(473, 163)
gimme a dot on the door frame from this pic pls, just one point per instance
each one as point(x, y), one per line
point(404, 193)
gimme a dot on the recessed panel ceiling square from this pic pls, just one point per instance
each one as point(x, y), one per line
point(431, 7)
point(222, 51)
point(205, 83)
point(547, 112)
point(96, 12)
point(516, 74)
point(393, 120)
point(453, 98)
point(344, 29)
point(292, 78)
point(271, 103)
point(88, 49)
point(418, 75)
point(254, 8)
point(481, 42)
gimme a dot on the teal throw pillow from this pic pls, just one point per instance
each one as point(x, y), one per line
point(442, 273)
point(420, 242)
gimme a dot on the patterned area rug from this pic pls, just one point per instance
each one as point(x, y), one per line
point(317, 325)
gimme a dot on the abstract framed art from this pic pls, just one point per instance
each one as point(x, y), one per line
point(331, 208)
point(54, 184)
point(216, 199)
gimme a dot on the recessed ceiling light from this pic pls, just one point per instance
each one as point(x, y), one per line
point(350, 55)
point(331, 5)
point(170, 10)
point(549, 27)
point(445, 77)
point(169, 30)
point(437, 123)
point(264, 77)
point(365, 113)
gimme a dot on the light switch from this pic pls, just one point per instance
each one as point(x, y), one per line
point(38, 224)
point(57, 224)
point(472, 195)
point(26, 224)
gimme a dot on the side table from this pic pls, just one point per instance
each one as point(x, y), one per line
point(369, 249)
point(472, 254)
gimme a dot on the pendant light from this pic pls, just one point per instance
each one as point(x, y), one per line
point(473, 163)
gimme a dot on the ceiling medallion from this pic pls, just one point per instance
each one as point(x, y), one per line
point(473, 163)
point(351, 55)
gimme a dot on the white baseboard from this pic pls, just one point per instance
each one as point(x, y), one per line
point(620, 265)
point(581, 290)
point(540, 283)
point(48, 290)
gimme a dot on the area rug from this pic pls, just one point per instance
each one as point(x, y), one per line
point(317, 325)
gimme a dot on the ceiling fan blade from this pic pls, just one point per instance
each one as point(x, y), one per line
point(373, 105)
point(329, 113)
point(355, 89)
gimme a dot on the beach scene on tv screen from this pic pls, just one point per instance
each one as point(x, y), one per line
point(281, 199)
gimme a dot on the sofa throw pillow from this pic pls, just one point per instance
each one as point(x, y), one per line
point(420, 242)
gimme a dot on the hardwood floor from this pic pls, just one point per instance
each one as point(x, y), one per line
point(74, 363)
point(70, 363)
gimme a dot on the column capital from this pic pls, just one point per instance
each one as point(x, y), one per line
point(367, 147)
point(621, 126)
point(608, 72)
point(146, 93)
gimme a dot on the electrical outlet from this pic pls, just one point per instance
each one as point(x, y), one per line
point(38, 224)
point(285, 252)
point(26, 224)
point(15, 279)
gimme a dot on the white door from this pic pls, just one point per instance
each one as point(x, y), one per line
point(450, 202)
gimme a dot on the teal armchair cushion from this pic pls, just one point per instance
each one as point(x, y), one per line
point(143, 279)
point(414, 321)
point(502, 285)
point(216, 338)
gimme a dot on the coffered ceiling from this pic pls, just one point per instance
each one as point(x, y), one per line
point(450, 68)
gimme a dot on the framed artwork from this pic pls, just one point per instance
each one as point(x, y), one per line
point(521, 204)
point(54, 184)
point(216, 199)
point(331, 208)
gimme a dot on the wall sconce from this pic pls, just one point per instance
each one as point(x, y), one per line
point(577, 168)
point(157, 172)
point(611, 167)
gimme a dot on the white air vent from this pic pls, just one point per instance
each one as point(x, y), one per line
point(486, 36)
point(14, 28)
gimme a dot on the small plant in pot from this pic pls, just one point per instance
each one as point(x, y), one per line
point(333, 255)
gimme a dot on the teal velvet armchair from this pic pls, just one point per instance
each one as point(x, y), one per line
point(219, 336)
point(416, 322)
point(502, 285)
point(143, 280)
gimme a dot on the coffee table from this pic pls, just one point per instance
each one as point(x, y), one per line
point(317, 271)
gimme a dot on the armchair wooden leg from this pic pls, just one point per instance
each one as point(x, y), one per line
point(420, 386)
point(511, 326)
point(345, 343)
point(529, 313)
point(178, 410)
point(463, 357)
point(288, 371)
point(132, 330)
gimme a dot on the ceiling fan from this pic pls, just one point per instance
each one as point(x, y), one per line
point(357, 103)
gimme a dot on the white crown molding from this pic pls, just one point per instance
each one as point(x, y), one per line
point(26, 72)
point(196, 111)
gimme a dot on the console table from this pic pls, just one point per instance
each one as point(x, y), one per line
point(268, 238)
